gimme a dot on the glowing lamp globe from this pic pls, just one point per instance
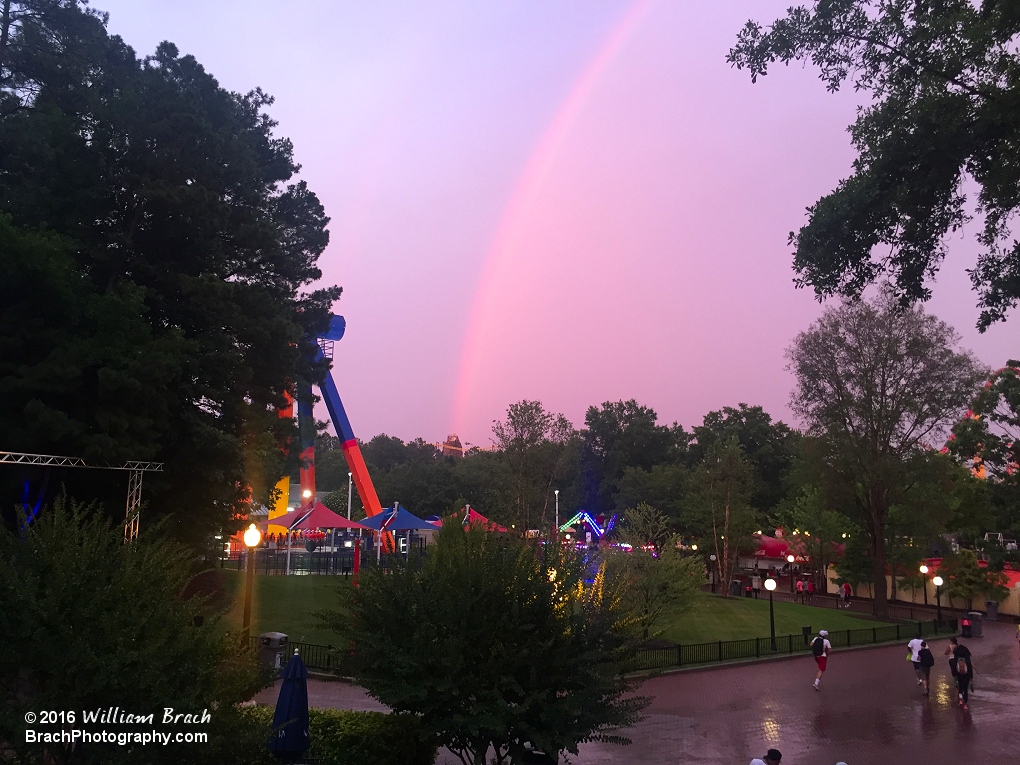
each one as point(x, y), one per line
point(694, 547)
point(306, 493)
point(923, 569)
point(770, 584)
point(937, 581)
point(252, 536)
point(789, 559)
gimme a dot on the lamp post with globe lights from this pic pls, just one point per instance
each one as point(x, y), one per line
point(790, 559)
point(252, 537)
point(938, 581)
point(712, 566)
point(924, 574)
point(557, 529)
point(770, 585)
point(350, 493)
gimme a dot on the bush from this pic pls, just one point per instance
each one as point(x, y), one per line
point(341, 737)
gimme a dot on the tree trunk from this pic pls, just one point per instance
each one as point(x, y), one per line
point(5, 31)
point(881, 594)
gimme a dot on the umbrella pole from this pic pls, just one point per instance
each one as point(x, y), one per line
point(378, 547)
point(288, 551)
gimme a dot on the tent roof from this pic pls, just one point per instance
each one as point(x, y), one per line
point(320, 517)
point(398, 520)
point(474, 517)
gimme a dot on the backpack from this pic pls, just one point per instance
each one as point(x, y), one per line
point(926, 658)
point(961, 667)
point(818, 646)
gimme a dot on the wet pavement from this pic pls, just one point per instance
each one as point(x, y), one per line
point(869, 711)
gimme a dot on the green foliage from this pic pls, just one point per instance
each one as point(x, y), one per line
point(943, 83)
point(822, 528)
point(659, 584)
point(492, 646)
point(876, 384)
point(644, 526)
point(720, 506)
point(186, 249)
point(90, 622)
point(769, 446)
point(617, 436)
point(966, 580)
point(534, 443)
point(342, 737)
point(663, 486)
point(856, 565)
point(990, 439)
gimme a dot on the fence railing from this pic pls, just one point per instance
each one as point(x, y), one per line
point(329, 659)
point(722, 651)
point(270, 562)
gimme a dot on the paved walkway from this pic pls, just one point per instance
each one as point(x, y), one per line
point(870, 711)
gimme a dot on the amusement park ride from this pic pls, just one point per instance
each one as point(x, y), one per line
point(306, 426)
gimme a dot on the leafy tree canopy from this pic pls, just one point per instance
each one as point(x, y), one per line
point(944, 81)
point(188, 246)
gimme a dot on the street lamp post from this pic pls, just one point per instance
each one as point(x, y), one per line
point(350, 494)
point(790, 559)
point(937, 581)
point(770, 585)
point(557, 531)
point(924, 574)
point(712, 558)
point(252, 537)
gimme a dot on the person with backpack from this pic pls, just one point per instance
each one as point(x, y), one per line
point(914, 647)
point(962, 668)
point(772, 757)
point(927, 660)
point(821, 648)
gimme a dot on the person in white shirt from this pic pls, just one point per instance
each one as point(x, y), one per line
point(772, 757)
point(821, 648)
point(914, 646)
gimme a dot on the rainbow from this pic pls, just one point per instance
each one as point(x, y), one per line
point(500, 257)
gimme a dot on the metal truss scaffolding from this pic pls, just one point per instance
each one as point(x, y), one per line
point(135, 468)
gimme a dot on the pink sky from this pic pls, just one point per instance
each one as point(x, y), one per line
point(575, 202)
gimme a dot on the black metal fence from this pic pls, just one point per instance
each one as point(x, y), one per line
point(340, 562)
point(323, 658)
point(897, 610)
point(763, 647)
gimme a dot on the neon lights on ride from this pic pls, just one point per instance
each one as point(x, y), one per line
point(585, 517)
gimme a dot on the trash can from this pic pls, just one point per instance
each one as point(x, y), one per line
point(747, 591)
point(735, 588)
point(976, 617)
point(965, 627)
point(807, 634)
point(992, 610)
point(272, 647)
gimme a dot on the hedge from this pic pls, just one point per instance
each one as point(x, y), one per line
point(341, 737)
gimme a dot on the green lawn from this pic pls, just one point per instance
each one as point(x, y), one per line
point(716, 618)
point(284, 604)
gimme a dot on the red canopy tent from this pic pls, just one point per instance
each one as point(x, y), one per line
point(472, 517)
point(321, 517)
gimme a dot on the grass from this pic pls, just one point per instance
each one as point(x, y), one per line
point(287, 604)
point(716, 618)
point(284, 604)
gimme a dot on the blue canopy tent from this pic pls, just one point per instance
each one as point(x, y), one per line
point(290, 722)
point(393, 519)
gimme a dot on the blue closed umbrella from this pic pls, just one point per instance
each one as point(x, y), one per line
point(290, 722)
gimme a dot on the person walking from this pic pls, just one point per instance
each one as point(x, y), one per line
point(962, 668)
point(800, 590)
point(811, 590)
point(914, 647)
point(927, 660)
point(772, 757)
point(756, 585)
point(821, 648)
point(846, 594)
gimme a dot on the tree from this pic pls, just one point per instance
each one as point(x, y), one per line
point(495, 647)
point(617, 436)
point(876, 384)
point(769, 446)
point(989, 438)
point(942, 80)
point(966, 580)
point(720, 501)
point(664, 486)
point(176, 198)
point(532, 441)
point(823, 529)
point(91, 623)
point(659, 580)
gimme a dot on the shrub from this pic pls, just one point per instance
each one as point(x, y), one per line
point(341, 737)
